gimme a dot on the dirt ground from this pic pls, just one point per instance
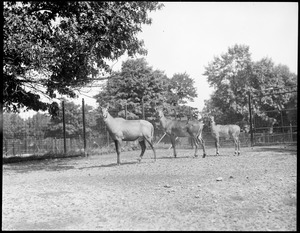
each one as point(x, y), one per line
point(253, 191)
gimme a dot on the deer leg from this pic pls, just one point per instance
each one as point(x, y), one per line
point(150, 143)
point(173, 145)
point(238, 141)
point(143, 147)
point(118, 146)
point(196, 142)
point(200, 140)
point(236, 146)
point(217, 146)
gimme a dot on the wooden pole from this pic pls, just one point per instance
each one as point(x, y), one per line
point(250, 118)
point(143, 110)
point(83, 121)
point(291, 131)
point(64, 127)
point(282, 129)
point(126, 110)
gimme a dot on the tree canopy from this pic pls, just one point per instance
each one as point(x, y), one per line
point(73, 121)
point(137, 82)
point(53, 48)
point(234, 75)
point(180, 89)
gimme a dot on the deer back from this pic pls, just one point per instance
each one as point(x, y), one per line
point(225, 130)
point(194, 128)
point(130, 130)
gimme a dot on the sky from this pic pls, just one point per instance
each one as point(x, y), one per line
point(184, 37)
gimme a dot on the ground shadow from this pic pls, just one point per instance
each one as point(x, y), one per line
point(108, 165)
point(20, 159)
point(37, 165)
point(178, 157)
point(222, 155)
point(288, 149)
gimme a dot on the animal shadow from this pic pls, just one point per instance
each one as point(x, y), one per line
point(178, 157)
point(108, 165)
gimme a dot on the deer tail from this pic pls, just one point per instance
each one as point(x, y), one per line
point(152, 133)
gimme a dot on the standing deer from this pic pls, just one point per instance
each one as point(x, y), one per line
point(128, 130)
point(226, 131)
point(176, 128)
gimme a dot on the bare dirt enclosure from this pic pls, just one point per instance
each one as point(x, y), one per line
point(253, 191)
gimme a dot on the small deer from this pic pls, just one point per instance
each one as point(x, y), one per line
point(176, 128)
point(226, 131)
point(128, 130)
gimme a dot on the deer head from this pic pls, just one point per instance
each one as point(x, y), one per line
point(160, 112)
point(104, 111)
point(211, 120)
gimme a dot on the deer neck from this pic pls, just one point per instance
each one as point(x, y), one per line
point(163, 121)
point(108, 120)
point(213, 125)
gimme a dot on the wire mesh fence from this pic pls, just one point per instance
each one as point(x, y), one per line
point(282, 128)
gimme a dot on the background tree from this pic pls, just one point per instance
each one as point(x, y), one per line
point(272, 94)
point(56, 47)
point(136, 82)
point(73, 120)
point(267, 80)
point(14, 126)
point(229, 74)
point(37, 125)
point(234, 75)
point(180, 89)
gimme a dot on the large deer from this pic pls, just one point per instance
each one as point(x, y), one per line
point(128, 130)
point(176, 128)
point(226, 131)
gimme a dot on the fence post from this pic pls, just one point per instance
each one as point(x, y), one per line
point(70, 144)
point(13, 147)
point(64, 127)
point(250, 119)
point(126, 110)
point(6, 147)
point(143, 110)
point(282, 129)
point(291, 130)
point(83, 120)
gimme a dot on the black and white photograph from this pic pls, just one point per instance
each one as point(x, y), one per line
point(149, 116)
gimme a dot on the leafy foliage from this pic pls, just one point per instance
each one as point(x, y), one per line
point(234, 75)
point(73, 120)
point(136, 82)
point(56, 47)
point(37, 125)
point(13, 126)
point(229, 75)
point(180, 89)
